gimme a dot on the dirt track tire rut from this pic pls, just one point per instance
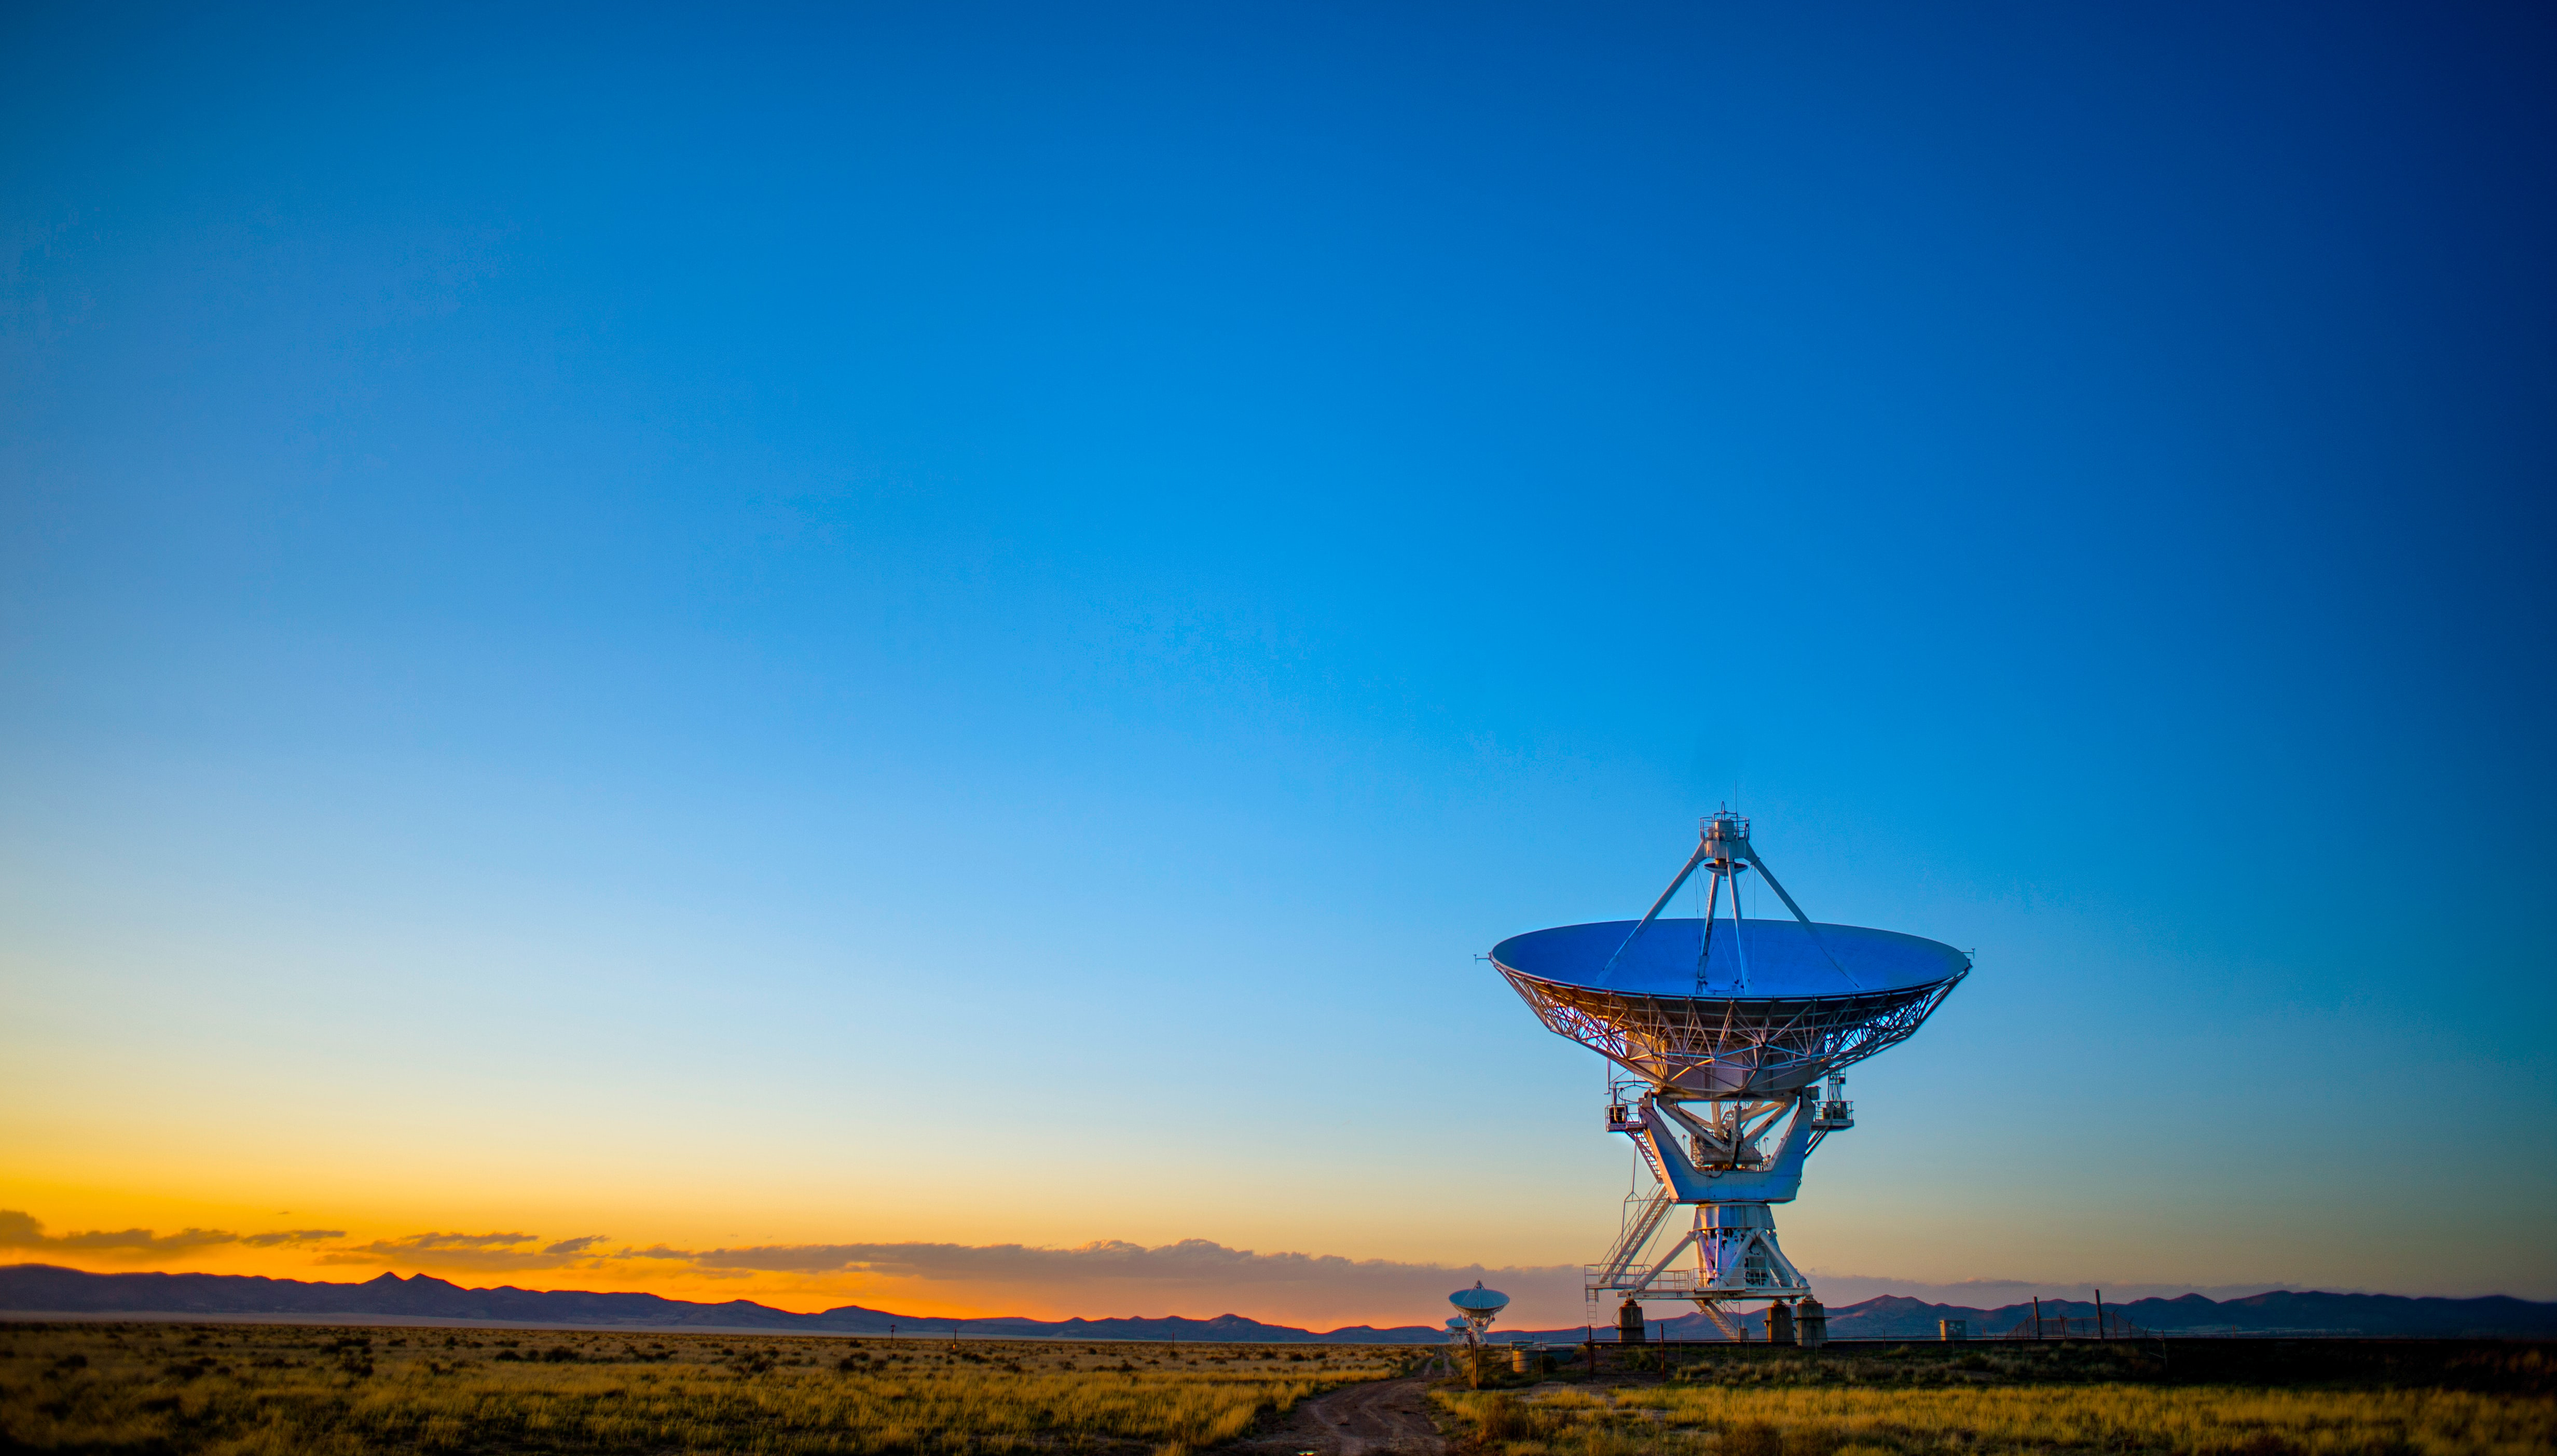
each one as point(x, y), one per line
point(1371, 1418)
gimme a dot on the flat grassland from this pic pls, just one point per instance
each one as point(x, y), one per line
point(2023, 1399)
point(111, 1389)
point(126, 1389)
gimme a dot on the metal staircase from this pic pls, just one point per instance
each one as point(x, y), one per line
point(1642, 1220)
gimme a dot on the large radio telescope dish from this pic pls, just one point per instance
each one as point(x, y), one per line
point(1765, 1008)
point(1724, 1027)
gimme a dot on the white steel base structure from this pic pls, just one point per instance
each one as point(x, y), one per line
point(1721, 1034)
point(1720, 1170)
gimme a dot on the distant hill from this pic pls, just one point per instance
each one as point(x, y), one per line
point(2281, 1312)
point(37, 1287)
point(44, 1289)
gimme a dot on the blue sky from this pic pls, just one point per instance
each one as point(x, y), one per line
point(953, 624)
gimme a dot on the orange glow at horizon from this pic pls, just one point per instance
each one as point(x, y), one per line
point(923, 1281)
point(795, 1295)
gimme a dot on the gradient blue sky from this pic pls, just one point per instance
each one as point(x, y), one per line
point(954, 622)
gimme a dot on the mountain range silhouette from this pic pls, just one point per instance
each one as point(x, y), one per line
point(36, 1289)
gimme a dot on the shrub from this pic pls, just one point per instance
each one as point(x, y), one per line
point(1752, 1438)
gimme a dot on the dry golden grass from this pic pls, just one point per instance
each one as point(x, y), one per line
point(1869, 1421)
point(262, 1388)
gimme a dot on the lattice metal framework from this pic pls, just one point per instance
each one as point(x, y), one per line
point(1723, 1046)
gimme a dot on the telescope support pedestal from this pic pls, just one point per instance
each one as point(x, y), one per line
point(1737, 1260)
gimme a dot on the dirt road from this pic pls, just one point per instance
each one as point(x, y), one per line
point(1373, 1419)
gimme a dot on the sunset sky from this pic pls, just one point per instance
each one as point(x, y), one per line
point(902, 654)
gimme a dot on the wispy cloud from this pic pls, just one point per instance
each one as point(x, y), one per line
point(19, 1230)
point(1196, 1276)
point(488, 1251)
point(1193, 1275)
point(291, 1236)
point(439, 1242)
point(1109, 1261)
